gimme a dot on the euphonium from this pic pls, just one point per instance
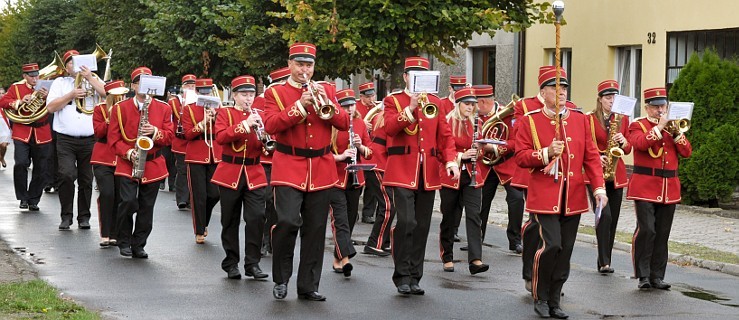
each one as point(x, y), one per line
point(495, 129)
point(428, 109)
point(614, 151)
point(143, 143)
point(29, 112)
point(323, 109)
point(82, 83)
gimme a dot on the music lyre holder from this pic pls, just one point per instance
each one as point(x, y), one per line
point(360, 166)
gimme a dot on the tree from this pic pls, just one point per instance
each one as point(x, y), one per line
point(11, 19)
point(356, 36)
point(710, 83)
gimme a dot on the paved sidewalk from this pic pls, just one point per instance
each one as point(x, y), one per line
point(688, 227)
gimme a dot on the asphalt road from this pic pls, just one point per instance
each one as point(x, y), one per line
point(183, 280)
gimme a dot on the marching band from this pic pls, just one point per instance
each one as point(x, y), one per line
point(284, 161)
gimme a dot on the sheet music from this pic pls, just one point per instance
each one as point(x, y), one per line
point(208, 101)
point(680, 110)
point(87, 60)
point(424, 81)
point(46, 84)
point(190, 96)
point(598, 211)
point(154, 85)
point(623, 105)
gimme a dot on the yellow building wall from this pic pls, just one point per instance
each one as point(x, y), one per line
point(594, 28)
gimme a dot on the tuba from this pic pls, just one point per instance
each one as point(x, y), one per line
point(84, 105)
point(35, 109)
point(495, 129)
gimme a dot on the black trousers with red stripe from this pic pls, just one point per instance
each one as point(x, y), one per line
point(234, 204)
point(411, 232)
point(379, 238)
point(108, 199)
point(304, 212)
point(341, 225)
point(557, 234)
point(453, 201)
point(203, 194)
point(372, 199)
point(649, 246)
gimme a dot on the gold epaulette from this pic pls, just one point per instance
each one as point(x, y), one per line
point(532, 112)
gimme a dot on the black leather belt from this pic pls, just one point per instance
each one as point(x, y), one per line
point(39, 124)
point(380, 141)
point(405, 150)
point(655, 172)
point(306, 153)
point(74, 137)
point(152, 156)
point(239, 160)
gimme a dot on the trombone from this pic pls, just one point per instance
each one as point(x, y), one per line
point(323, 109)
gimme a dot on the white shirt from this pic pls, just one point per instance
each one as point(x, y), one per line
point(68, 120)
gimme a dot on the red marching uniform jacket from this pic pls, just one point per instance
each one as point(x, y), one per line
point(123, 131)
point(197, 151)
point(414, 138)
point(655, 163)
point(258, 104)
point(462, 143)
point(506, 168)
point(241, 151)
point(103, 152)
point(600, 137)
point(447, 105)
point(303, 155)
point(342, 143)
point(363, 109)
point(534, 134)
point(520, 109)
point(40, 129)
point(179, 143)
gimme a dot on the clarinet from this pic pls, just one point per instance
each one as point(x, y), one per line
point(473, 174)
point(353, 160)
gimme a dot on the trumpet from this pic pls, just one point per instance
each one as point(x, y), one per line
point(678, 126)
point(323, 109)
point(266, 139)
point(429, 110)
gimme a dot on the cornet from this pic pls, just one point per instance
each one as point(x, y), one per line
point(323, 109)
point(267, 141)
point(428, 109)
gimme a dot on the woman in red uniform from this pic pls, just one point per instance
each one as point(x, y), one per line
point(457, 195)
point(103, 161)
point(241, 180)
point(601, 124)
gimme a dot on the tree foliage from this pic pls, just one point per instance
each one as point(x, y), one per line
point(710, 83)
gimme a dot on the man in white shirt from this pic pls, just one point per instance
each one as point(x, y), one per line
point(75, 140)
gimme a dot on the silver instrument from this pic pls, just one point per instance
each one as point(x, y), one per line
point(267, 141)
point(353, 160)
point(323, 109)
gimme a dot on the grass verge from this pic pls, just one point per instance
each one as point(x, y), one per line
point(693, 250)
point(36, 299)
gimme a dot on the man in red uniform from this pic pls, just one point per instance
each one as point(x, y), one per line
point(240, 179)
point(455, 83)
point(138, 195)
point(366, 98)
point(179, 143)
point(378, 242)
point(415, 148)
point(202, 157)
point(304, 170)
point(654, 187)
point(502, 171)
point(556, 190)
point(31, 140)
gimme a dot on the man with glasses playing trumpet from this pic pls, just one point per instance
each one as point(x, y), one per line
point(75, 139)
point(202, 157)
point(31, 135)
point(300, 113)
point(654, 186)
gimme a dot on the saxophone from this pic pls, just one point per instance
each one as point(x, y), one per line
point(143, 143)
point(614, 151)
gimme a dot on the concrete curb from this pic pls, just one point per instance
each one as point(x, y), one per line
point(680, 259)
point(733, 214)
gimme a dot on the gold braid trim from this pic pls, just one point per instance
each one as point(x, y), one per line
point(592, 131)
point(231, 123)
point(534, 136)
point(525, 108)
point(651, 153)
point(192, 116)
point(277, 98)
point(120, 124)
point(400, 111)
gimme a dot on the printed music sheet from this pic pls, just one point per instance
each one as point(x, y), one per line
point(424, 81)
point(153, 85)
point(45, 84)
point(208, 101)
point(623, 105)
point(680, 110)
point(87, 60)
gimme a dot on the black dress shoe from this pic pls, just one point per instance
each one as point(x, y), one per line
point(140, 253)
point(475, 268)
point(659, 284)
point(84, 225)
point(404, 289)
point(644, 283)
point(47, 189)
point(255, 272)
point(125, 251)
point(376, 252)
point(465, 248)
point(312, 296)
point(280, 291)
point(182, 205)
point(33, 207)
point(416, 289)
point(234, 273)
point(347, 270)
point(541, 307)
point(557, 313)
point(605, 269)
point(518, 249)
point(370, 220)
point(448, 269)
point(65, 225)
point(23, 205)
